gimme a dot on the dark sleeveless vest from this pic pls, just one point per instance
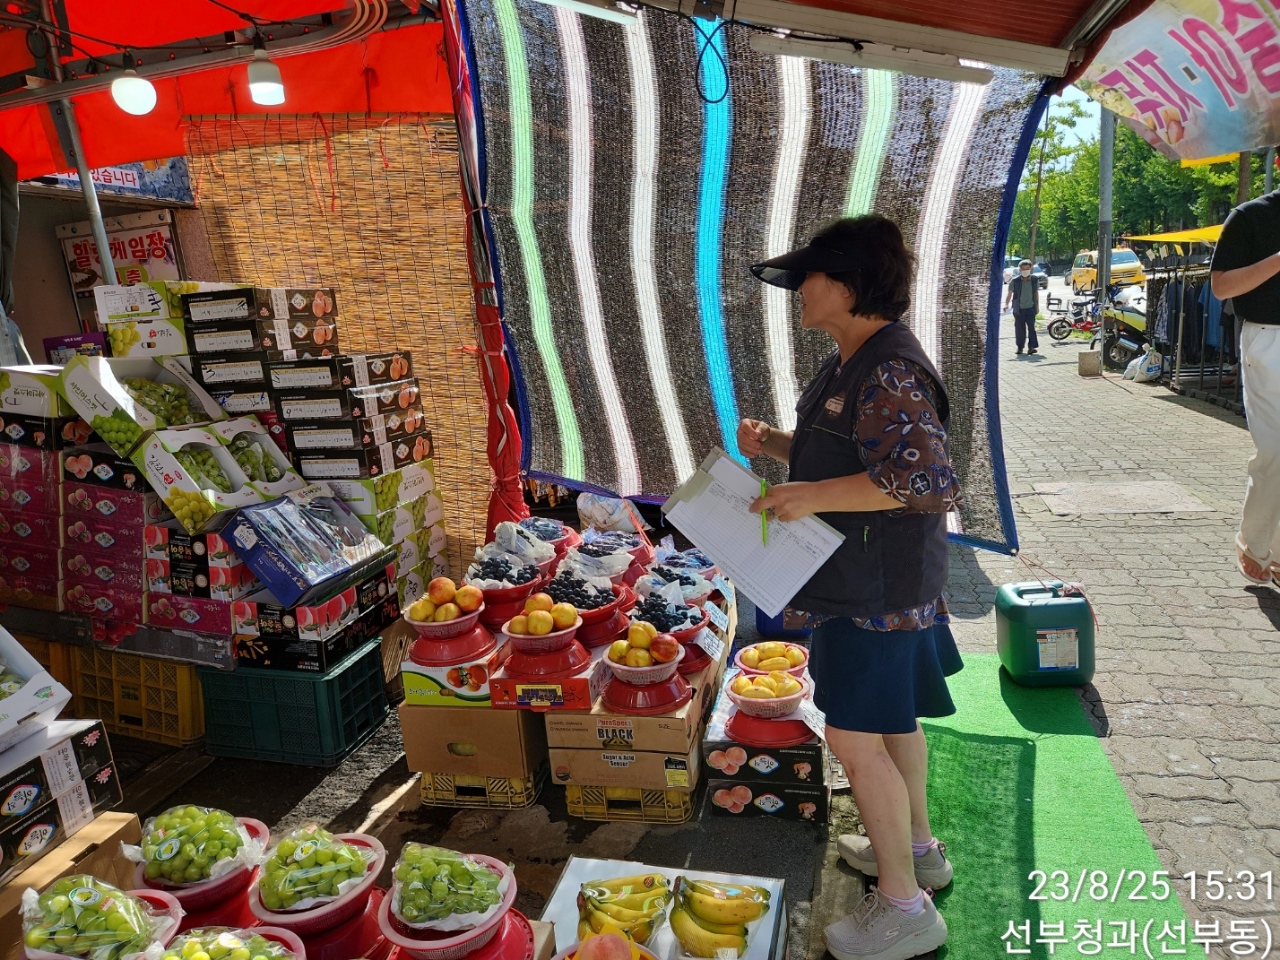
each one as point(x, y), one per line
point(888, 561)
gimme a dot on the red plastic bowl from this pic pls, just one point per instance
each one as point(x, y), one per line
point(506, 602)
point(603, 613)
point(209, 893)
point(426, 945)
point(647, 701)
point(329, 915)
point(599, 634)
point(448, 629)
point(688, 633)
point(552, 642)
point(161, 902)
point(548, 666)
point(446, 653)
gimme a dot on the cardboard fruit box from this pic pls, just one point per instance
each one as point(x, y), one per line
point(30, 494)
point(32, 391)
point(95, 387)
point(270, 472)
point(240, 401)
point(317, 656)
point(98, 464)
point(367, 432)
point(43, 433)
point(348, 402)
point(91, 532)
point(237, 370)
point(27, 526)
point(306, 545)
point(371, 461)
point(115, 569)
point(370, 496)
point(122, 510)
point(196, 475)
point(24, 463)
point(331, 373)
point(302, 338)
point(36, 703)
point(261, 303)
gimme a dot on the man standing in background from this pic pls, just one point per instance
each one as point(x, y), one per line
point(1024, 294)
point(1246, 265)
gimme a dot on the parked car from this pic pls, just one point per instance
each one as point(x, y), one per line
point(1011, 271)
point(1042, 266)
point(1126, 269)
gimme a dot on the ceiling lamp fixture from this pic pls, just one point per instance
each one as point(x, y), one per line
point(133, 94)
point(604, 10)
point(265, 84)
point(919, 63)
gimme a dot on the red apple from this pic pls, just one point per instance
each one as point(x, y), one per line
point(441, 590)
point(664, 648)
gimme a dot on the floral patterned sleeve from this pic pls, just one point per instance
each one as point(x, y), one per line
point(901, 440)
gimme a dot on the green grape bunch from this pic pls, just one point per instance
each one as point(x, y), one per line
point(253, 458)
point(192, 508)
point(309, 864)
point(203, 467)
point(185, 844)
point(81, 916)
point(117, 430)
point(170, 403)
point(122, 337)
point(223, 943)
point(432, 883)
point(386, 490)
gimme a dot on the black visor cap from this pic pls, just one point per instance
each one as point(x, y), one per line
point(789, 270)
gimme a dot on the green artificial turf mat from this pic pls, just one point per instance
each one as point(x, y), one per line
point(1019, 782)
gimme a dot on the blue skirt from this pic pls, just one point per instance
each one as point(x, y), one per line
point(880, 681)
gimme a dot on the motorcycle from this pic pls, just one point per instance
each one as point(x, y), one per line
point(1125, 312)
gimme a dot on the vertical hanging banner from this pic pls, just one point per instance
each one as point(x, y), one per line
point(1194, 78)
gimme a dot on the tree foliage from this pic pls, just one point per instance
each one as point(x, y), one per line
point(1151, 194)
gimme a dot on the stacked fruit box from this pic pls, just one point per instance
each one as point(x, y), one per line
point(34, 424)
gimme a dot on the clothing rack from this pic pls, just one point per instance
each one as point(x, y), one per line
point(1202, 360)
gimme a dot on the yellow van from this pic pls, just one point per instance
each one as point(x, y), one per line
point(1126, 269)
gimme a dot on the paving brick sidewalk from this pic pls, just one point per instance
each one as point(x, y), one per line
point(1187, 692)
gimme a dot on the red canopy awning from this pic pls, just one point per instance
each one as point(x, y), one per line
point(392, 70)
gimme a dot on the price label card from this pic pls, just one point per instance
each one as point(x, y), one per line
point(813, 718)
point(724, 586)
point(709, 642)
point(718, 616)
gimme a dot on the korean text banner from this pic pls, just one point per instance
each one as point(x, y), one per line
point(1196, 78)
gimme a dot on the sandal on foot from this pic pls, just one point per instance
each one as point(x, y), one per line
point(1243, 553)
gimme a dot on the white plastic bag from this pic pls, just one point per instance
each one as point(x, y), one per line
point(514, 539)
point(607, 513)
point(1150, 368)
point(595, 568)
point(1131, 371)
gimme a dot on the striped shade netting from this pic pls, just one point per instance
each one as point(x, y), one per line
point(635, 172)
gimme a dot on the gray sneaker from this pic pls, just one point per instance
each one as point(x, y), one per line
point(933, 870)
point(878, 930)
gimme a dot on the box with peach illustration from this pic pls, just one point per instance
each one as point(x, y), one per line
point(26, 463)
point(810, 803)
point(458, 685)
point(89, 531)
point(123, 603)
point(127, 510)
point(101, 569)
point(197, 580)
point(330, 373)
point(30, 559)
point(98, 464)
point(348, 403)
point(34, 494)
point(727, 759)
point(23, 526)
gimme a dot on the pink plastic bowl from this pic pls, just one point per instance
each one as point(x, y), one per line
point(770, 709)
point(161, 903)
point(552, 642)
point(452, 946)
point(645, 676)
point(327, 916)
point(754, 672)
point(286, 938)
point(447, 629)
point(208, 893)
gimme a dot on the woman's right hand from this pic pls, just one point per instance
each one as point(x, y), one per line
point(752, 435)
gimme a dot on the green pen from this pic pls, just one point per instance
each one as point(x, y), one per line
point(764, 514)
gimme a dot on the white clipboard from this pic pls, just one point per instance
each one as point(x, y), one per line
point(712, 510)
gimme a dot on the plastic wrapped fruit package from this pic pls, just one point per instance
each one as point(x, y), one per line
point(81, 916)
point(667, 610)
point(516, 540)
point(635, 906)
point(544, 528)
point(309, 867)
point(10, 682)
point(580, 561)
point(692, 584)
point(170, 403)
point(440, 889)
point(203, 467)
point(712, 917)
point(254, 459)
point(585, 593)
point(493, 569)
point(186, 845)
point(226, 943)
point(692, 559)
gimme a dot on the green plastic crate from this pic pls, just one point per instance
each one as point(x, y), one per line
point(289, 717)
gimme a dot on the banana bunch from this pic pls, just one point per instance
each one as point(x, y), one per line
point(710, 917)
point(634, 906)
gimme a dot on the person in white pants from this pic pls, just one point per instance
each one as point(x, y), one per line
point(1246, 267)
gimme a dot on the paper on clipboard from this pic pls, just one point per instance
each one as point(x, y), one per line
point(711, 509)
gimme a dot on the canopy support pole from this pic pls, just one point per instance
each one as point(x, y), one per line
point(1269, 170)
point(1106, 165)
point(90, 192)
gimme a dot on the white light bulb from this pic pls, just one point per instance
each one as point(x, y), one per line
point(133, 94)
point(265, 85)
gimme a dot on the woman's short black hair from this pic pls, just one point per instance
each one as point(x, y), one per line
point(881, 281)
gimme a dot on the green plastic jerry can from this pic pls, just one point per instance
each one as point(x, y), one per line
point(1044, 634)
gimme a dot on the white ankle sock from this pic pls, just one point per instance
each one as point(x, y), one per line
point(913, 907)
point(920, 849)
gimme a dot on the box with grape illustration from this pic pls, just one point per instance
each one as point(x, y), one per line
point(370, 496)
point(124, 399)
point(257, 454)
point(196, 475)
point(32, 391)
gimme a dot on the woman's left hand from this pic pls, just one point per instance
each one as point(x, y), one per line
point(787, 501)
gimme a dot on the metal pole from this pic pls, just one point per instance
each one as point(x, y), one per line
point(1269, 170)
point(1106, 169)
point(87, 188)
